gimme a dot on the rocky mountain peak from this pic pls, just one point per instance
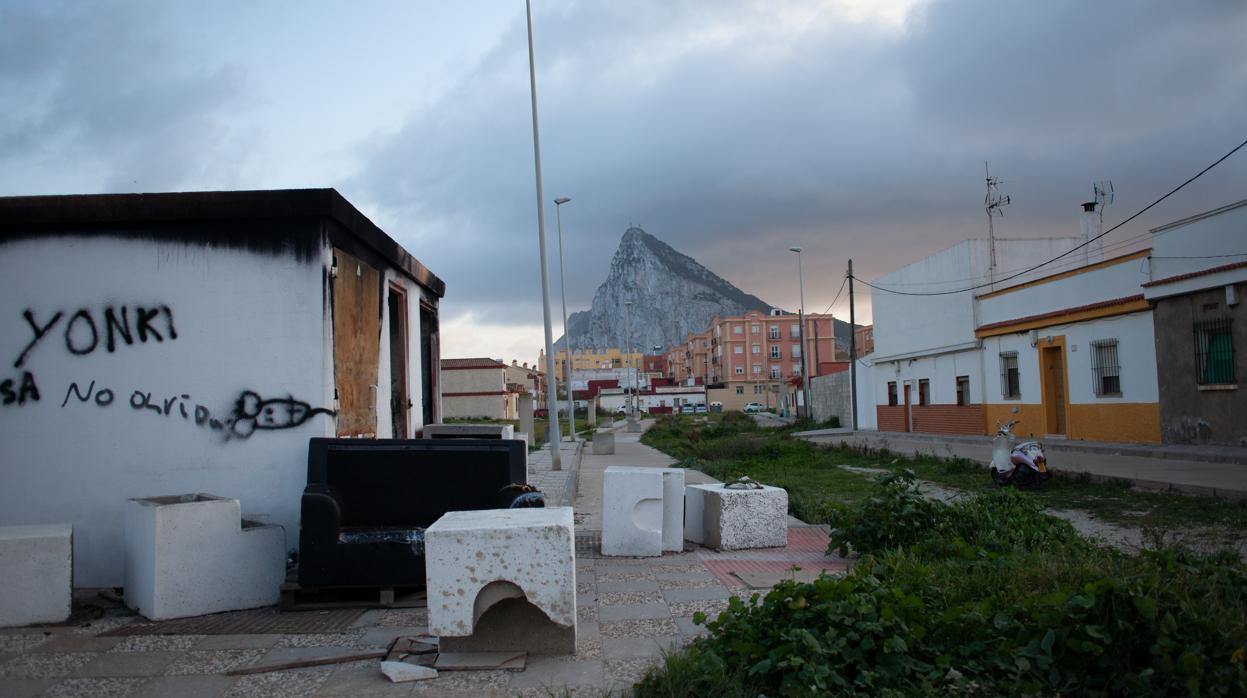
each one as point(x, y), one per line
point(671, 294)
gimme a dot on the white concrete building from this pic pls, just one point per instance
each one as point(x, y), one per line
point(162, 344)
point(928, 369)
point(1074, 354)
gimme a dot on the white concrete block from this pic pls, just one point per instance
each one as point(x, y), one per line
point(36, 573)
point(189, 555)
point(469, 431)
point(603, 443)
point(475, 559)
point(735, 519)
point(672, 509)
point(632, 511)
point(694, 512)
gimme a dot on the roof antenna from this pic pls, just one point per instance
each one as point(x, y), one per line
point(992, 202)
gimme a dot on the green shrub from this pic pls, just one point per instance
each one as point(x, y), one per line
point(987, 596)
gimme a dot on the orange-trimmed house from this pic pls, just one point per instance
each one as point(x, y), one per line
point(1073, 354)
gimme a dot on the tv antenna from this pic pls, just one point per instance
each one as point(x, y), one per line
point(993, 202)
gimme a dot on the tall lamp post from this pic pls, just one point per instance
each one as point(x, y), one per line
point(628, 352)
point(805, 374)
point(553, 433)
point(567, 338)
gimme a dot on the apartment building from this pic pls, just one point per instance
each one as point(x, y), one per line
point(589, 359)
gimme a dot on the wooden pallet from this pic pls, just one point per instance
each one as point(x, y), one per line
point(298, 598)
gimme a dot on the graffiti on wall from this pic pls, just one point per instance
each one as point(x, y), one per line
point(85, 331)
point(250, 412)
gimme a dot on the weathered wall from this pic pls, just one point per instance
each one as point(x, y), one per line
point(832, 396)
point(472, 406)
point(1187, 413)
point(135, 368)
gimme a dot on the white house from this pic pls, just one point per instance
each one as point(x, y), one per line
point(163, 344)
point(928, 367)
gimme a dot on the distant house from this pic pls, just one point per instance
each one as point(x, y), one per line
point(479, 387)
point(164, 344)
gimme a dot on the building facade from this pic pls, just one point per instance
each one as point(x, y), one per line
point(589, 360)
point(483, 388)
point(1073, 354)
point(1198, 277)
point(163, 344)
point(929, 373)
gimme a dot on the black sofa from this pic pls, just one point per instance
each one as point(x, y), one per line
point(368, 501)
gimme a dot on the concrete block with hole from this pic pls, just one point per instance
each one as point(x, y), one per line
point(672, 504)
point(36, 573)
point(193, 554)
point(503, 580)
point(603, 443)
point(632, 511)
point(736, 519)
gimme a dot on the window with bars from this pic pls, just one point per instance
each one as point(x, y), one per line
point(1105, 369)
point(924, 391)
point(774, 371)
point(1214, 352)
point(774, 332)
point(963, 390)
point(774, 351)
point(891, 393)
point(1010, 381)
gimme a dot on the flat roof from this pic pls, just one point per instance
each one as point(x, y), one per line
point(80, 214)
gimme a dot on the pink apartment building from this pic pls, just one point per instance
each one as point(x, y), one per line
point(755, 349)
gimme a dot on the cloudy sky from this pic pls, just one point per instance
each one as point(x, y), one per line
point(729, 129)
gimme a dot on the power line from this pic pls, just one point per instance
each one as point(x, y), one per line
point(833, 300)
point(1138, 213)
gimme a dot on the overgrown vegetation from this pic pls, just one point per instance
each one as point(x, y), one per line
point(985, 596)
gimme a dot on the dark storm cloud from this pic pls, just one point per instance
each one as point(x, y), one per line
point(732, 138)
point(102, 87)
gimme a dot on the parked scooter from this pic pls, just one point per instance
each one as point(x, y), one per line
point(1022, 464)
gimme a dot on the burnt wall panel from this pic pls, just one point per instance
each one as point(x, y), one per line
point(356, 343)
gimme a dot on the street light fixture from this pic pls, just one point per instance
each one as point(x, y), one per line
point(567, 340)
point(805, 374)
point(553, 432)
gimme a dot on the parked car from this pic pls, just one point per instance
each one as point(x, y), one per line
point(686, 409)
point(700, 408)
point(541, 413)
point(753, 407)
point(622, 411)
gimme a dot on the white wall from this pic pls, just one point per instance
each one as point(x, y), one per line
point(1136, 352)
point(867, 417)
point(1220, 234)
point(244, 322)
point(942, 370)
point(1119, 280)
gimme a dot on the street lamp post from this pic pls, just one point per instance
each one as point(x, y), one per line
point(805, 374)
point(567, 339)
point(553, 435)
point(628, 353)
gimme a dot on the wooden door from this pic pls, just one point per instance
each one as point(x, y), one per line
point(909, 416)
point(1054, 388)
point(428, 364)
point(399, 401)
point(356, 344)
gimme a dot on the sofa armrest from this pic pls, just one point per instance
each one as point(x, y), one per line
point(320, 516)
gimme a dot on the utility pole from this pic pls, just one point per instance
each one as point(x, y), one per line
point(852, 348)
point(553, 433)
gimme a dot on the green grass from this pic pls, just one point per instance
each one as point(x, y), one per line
point(730, 445)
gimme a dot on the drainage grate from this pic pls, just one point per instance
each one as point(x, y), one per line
point(588, 545)
point(262, 621)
